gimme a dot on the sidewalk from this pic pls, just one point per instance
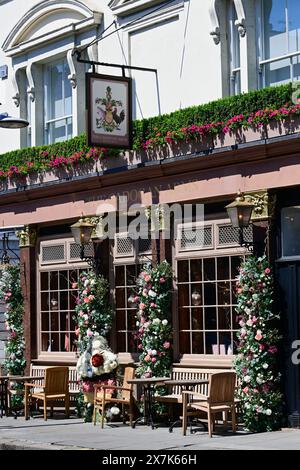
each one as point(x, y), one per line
point(73, 434)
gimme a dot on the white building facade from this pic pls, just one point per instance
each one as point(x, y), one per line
point(202, 50)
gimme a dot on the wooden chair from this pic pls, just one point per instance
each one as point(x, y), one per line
point(220, 398)
point(102, 397)
point(55, 387)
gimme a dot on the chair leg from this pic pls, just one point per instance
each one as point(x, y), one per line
point(123, 413)
point(233, 418)
point(131, 413)
point(26, 403)
point(184, 420)
point(102, 414)
point(94, 415)
point(67, 406)
point(225, 417)
point(209, 419)
point(51, 412)
point(45, 409)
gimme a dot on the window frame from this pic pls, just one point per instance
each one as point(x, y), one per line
point(48, 99)
point(63, 265)
point(234, 51)
point(263, 62)
point(216, 251)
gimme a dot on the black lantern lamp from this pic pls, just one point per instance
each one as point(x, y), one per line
point(239, 212)
point(82, 232)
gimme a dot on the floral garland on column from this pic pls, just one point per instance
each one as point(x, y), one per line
point(154, 333)
point(256, 362)
point(96, 363)
point(93, 313)
point(11, 295)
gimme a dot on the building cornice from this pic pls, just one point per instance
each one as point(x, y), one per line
point(126, 8)
point(15, 42)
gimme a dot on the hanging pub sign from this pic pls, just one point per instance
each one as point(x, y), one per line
point(109, 115)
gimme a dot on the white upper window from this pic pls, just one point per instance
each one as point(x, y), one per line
point(279, 40)
point(234, 52)
point(57, 102)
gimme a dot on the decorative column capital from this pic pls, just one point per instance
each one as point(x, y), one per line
point(27, 236)
point(263, 205)
point(156, 214)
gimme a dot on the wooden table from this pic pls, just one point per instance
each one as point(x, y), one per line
point(3, 396)
point(188, 384)
point(17, 379)
point(147, 385)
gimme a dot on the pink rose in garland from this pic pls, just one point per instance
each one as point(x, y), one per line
point(256, 361)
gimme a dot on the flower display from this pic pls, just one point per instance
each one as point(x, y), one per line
point(153, 320)
point(97, 359)
point(93, 313)
point(11, 294)
point(256, 361)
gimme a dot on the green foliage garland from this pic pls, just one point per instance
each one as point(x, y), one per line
point(153, 320)
point(256, 362)
point(93, 313)
point(233, 112)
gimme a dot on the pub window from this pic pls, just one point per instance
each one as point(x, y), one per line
point(129, 257)
point(206, 304)
point(58, 301)
point(290, 228)
point(125, 277)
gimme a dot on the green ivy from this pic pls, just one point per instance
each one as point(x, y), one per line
point(215, 111)
point(75, 150)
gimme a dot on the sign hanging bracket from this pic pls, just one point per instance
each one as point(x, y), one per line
point(93, 63)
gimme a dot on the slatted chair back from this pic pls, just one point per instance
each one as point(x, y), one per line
point(180, 373)
point(129, 373)
point(221, 388)
point(56, 380)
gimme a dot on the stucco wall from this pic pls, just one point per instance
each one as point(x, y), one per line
point(176, 41)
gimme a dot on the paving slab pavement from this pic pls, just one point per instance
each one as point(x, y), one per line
point(67, 434)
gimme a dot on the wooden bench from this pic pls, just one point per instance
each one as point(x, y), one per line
point(192, 367)
point(39, 371)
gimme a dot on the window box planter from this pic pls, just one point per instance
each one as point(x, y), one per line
point(240, 136)
point(188, 148)
point(276, 128)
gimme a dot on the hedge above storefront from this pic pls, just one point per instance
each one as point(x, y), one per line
point(255, 108)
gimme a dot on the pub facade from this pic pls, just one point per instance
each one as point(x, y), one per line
point(48, 87)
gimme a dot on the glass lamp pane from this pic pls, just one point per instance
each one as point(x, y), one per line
point(233, 215)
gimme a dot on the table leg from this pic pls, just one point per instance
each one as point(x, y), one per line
point(143, 419)
point(150, 417)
